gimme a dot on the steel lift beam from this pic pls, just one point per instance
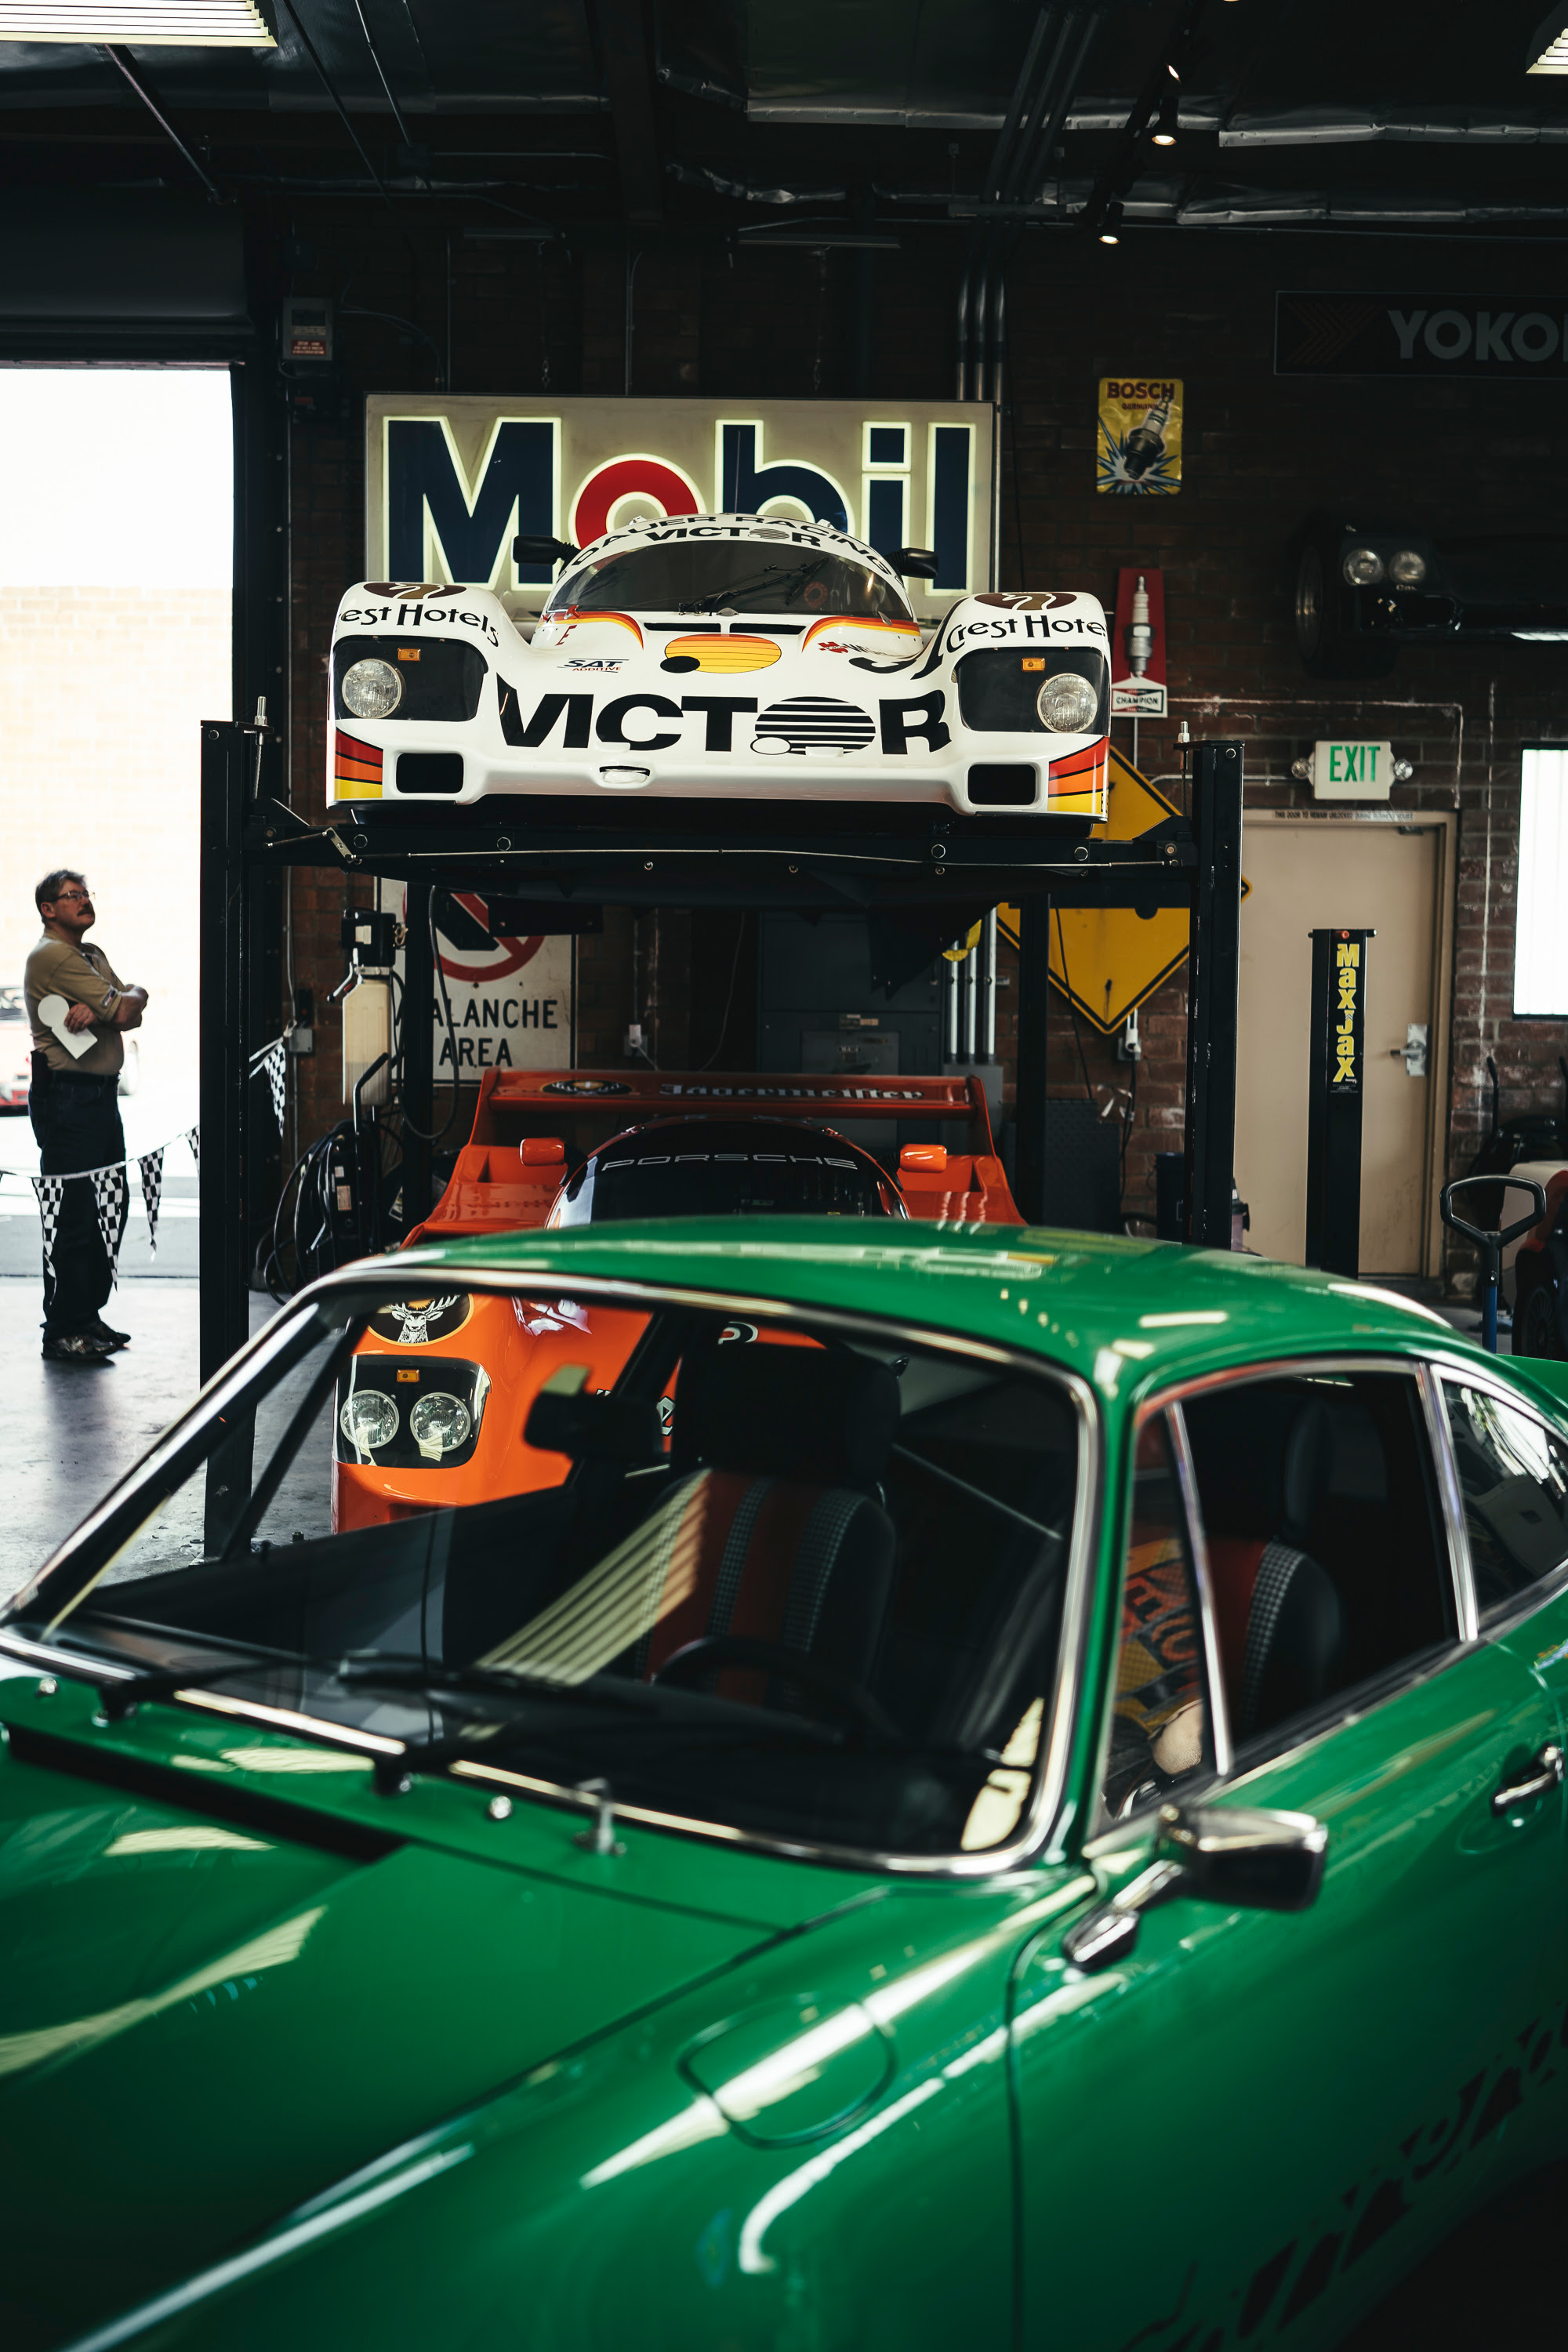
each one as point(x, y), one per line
point(670, 854)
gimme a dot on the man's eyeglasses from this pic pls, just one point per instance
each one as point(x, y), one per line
point(69, 898)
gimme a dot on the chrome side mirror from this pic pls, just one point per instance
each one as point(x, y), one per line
point(1251, 1860)
point(1243, 1858)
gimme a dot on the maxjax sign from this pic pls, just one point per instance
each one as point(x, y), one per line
point(450, 482)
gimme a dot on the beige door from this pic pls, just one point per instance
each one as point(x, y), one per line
point(1316, 874)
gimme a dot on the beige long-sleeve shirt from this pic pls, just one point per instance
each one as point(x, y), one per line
point(82, 975)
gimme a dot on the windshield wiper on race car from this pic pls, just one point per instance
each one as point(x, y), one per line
point(744, 587)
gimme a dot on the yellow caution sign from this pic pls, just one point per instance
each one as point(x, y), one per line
point(1108, 959)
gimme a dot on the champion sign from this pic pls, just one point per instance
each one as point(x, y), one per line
point(452, 481)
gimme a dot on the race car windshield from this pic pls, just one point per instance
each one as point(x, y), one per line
point(760, 1572)
point(716, 1171)
point(731, 575)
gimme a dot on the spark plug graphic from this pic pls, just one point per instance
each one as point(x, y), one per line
point(1140, 630)
point(1146, 441)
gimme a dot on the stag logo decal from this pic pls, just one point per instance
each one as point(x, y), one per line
point(415, 1322)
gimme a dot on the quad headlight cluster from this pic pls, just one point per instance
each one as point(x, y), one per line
point(1068, 704)
point(371, 689)
point(380, 1421)
point(1364, 567)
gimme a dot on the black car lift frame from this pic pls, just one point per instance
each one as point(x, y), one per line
point(674, 854)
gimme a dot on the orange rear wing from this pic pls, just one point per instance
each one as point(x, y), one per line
point(493, 1190)
point(632, 1095)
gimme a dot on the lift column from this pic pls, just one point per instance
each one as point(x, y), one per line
point(1213, 977)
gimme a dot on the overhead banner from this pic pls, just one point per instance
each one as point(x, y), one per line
point(1506, 335)
point(451, 481)
point(1140, 436)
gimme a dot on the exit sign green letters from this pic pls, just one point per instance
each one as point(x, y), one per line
point(1352, 771)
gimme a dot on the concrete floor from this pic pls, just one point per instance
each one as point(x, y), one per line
point(70, 1431)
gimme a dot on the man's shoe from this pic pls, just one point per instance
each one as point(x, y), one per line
point(77, 1348)
point(99, 1329)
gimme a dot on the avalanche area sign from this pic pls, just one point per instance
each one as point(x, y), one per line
point(510, 998)
point(1107, 960)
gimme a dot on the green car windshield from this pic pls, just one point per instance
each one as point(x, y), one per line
point(794, 1582)
point(740, 575)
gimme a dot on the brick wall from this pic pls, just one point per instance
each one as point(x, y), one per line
point(1259, 452)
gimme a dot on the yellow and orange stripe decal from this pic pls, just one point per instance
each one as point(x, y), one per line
point(840, 626)
point(1078, 785)
point(576, 618)
point(356, 769)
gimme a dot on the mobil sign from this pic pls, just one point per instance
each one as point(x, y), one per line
point(451, 482)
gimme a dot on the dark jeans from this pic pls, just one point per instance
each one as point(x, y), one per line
point(76, 1122)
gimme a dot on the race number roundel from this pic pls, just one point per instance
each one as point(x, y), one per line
point(645, 478)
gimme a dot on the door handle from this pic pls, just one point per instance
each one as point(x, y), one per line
point(1545, 1774)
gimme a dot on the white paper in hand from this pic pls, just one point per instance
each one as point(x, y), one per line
point(52, 1011)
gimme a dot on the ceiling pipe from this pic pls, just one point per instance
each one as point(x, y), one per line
point(381, 75)
point(122, 58)
point(327, 83)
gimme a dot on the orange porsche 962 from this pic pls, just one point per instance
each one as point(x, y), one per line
point(438, 1391)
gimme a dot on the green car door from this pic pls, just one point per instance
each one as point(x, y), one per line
point(1236, 2124)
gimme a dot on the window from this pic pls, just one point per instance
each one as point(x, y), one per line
point(749, 1573)
point(1513, 1476)
point(1327, 1553)
point(1541, 938)
point(1160, 1733)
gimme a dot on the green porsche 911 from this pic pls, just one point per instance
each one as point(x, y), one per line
point(979, 1794)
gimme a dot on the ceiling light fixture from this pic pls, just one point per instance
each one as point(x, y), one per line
point(148, 24)
point(1169, 120)
point(1547, 52)
point(1109, 232)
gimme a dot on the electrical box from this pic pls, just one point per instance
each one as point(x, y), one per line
point(306, 330)
point(367, 1034)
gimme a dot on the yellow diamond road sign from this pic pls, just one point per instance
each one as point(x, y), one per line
point(1107, 960)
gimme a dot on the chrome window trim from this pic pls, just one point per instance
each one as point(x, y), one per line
point(1197, 1546)
point(1201, 1783)
point(1410, 1368)
point(1042, 1826)
point(1504, 1615)
point(1442, 1443)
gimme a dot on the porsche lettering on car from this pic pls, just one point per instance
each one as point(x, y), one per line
point(729, 656)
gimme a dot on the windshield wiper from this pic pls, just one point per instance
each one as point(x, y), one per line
point(744, 587)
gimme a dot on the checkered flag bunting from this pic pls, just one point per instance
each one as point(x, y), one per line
point(193, 1138)
point(274, 1065)
point(111, 1199)
point(151, 1166)
point(51, 1193)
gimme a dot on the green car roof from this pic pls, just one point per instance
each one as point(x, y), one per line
point(1119, 1311)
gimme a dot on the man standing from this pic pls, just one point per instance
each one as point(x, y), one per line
point(75, 1108)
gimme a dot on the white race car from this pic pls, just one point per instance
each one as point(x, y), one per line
point(723, 656)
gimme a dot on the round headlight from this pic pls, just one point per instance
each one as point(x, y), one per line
point(1408, 569)
point(372, 689)
point(1068, 704)
point(368, 1419)
point(440, 1422)
point(1363, 567)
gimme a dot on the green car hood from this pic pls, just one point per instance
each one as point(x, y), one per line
point(206, 2016)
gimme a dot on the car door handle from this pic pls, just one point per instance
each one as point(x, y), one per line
point(1546, 1773)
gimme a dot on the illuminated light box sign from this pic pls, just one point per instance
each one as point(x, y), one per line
point(451, 481)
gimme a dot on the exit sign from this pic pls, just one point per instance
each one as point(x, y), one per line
point(1352, 771)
